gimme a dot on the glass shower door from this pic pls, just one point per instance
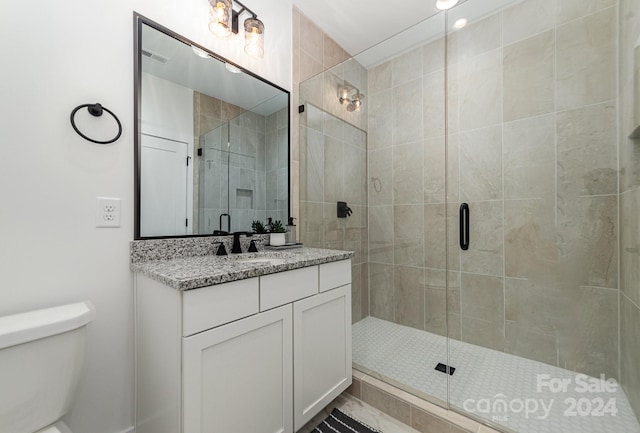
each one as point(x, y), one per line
point(533, 300)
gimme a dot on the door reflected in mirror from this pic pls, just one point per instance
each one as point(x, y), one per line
point(212, 141)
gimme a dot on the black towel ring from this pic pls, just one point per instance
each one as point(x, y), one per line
point(95, 110)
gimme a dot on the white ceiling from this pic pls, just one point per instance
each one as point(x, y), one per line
point(207, 75)
point(377, 30)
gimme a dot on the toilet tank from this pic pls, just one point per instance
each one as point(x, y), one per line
point(41, 356)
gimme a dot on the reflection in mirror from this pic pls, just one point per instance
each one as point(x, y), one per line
point(212, 141)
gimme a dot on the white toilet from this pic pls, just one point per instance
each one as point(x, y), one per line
point(41, 357)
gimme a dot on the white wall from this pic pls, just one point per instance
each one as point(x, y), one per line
point(57, 55)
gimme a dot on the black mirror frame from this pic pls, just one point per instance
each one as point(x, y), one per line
point(138, 21)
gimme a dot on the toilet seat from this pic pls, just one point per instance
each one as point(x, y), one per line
point(58, 427)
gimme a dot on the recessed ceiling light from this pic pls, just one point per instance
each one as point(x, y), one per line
point(460, 23)
point(232, 69)
point(445, 4)
point(200, 53)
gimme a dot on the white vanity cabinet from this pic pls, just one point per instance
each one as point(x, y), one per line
point(260, 355)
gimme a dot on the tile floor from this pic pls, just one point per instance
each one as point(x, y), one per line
point(497, 386)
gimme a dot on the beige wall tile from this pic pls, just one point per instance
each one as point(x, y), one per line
point(408, 235)
point(587, 151)
point(386, 403)
point(407, 112)
point(630, 245)
point(589, 342)
point(355, 175)
point(424, 422)
point(482, 333)
point(407, 67)
point(480, 90)
point(435, 241)
point(520, 340)
point(381, 177)
point(356, 293)
point(482, 298)
point(528, 70)
point(434, 169)
point(380, 234)
point(407, 173)
point(409, 296)
point(587, 228)
point(380, 132)
point(433, 93)
point(333, 53)
point(481, 164)
point(586, 60)
point(381, 302)
point(365, 289)
point(433, 56)
point(312, 165)
point(571, 9)
point(526, 19)
point(530, 238)
point(333, 170)
point(311, 39)
point(380, 77)
point(485, 253)
point(480, 37)
point(529, 158)
point(311, 225)
point(630, 351)
point(355, 388)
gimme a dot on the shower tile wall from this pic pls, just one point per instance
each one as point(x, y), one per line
point(276, 166)
point(629, 203)
point(209, 114)
point(329, 152)
point(254, 171)
point(532, 148)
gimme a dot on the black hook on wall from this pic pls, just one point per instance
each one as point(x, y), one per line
point(95, 110)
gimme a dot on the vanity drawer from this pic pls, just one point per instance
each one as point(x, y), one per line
point(285, 287)
point(335, 274)
point(212, 306)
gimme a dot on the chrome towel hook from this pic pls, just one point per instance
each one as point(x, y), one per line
point(95, 110)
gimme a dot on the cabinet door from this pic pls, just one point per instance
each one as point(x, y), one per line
point(322, 351)
point(237, 378)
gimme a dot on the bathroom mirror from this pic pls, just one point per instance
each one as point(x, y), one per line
point(211, 140)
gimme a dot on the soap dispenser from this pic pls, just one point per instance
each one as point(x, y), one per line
point(290, 237)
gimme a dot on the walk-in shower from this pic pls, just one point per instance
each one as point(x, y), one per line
point(516, 118)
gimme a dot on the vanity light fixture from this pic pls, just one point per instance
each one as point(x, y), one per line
point(350, 96)
point(220, 17)
point(443, 5)
point(224, 21)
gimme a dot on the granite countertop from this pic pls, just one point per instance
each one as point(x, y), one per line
point(188, 273)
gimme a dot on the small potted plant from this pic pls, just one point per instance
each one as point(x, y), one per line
point(276, 237)
point(258, 227)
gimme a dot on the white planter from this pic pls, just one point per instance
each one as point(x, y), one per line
point(276, 239)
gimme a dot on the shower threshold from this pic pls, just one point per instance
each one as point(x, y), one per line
point(513, 393)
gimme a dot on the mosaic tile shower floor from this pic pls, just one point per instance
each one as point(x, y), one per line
point(512, 392)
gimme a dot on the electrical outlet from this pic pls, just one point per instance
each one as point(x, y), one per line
point(107, 212)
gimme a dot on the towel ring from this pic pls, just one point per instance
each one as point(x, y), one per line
point(95, 110)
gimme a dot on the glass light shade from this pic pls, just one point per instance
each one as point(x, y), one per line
point(254, 37)
point(220, 17)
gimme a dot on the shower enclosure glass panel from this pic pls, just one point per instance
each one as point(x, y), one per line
point(532, 134)
point(243, 171)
